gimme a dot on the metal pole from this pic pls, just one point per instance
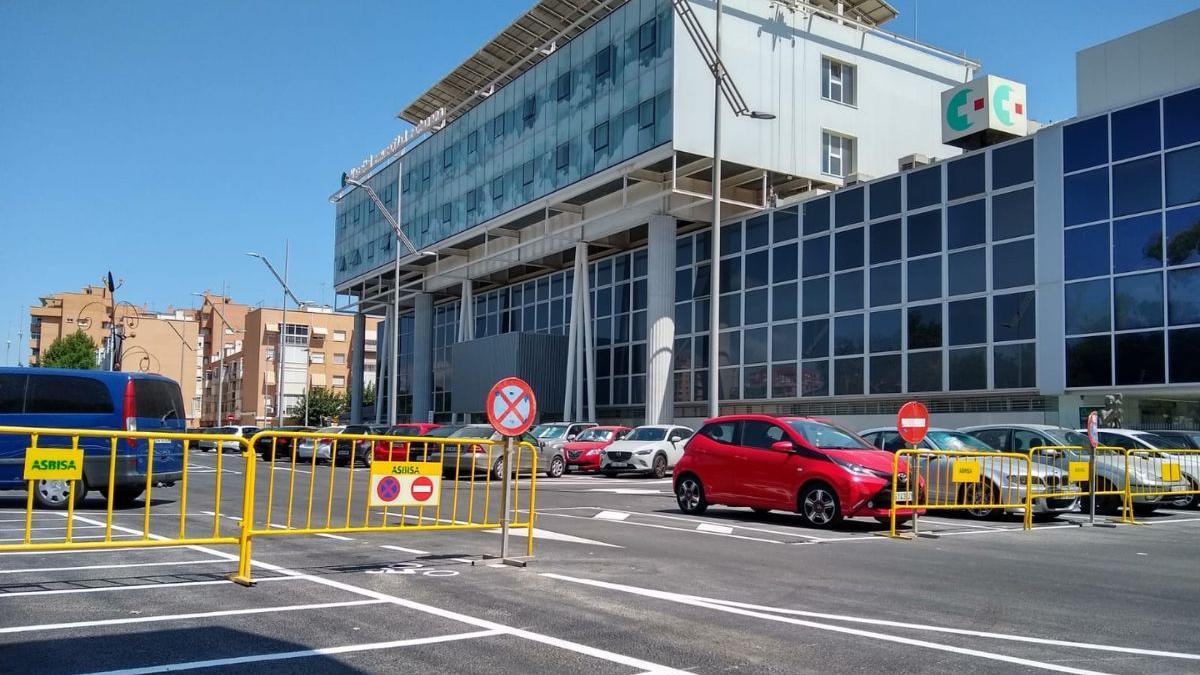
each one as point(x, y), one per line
point(1092, 481)
point(714, 303)
point(506, 495)
point(220, 416)
point(283, 341)
point(394, 356)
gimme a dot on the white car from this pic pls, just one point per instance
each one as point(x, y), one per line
point(650, 449)
point(231, 446)
point(1133, 439)
point(305, 448)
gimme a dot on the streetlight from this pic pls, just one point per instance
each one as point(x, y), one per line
point(282, 356)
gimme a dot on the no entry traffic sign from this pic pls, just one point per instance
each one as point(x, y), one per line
point(406, 483)
point(511, 406)
point(912, 422)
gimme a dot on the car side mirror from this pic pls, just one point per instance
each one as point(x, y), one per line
point(783, 446)
point(571, 437)
point(675, 438)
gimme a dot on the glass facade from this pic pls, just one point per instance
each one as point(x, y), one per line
point(1131, 191)
point(598, 100)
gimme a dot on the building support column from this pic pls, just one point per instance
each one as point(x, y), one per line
point(571, 400)
point(589, 335)
point(358, 350)
point(466, 313)
point(422, 376)
point(660, 320)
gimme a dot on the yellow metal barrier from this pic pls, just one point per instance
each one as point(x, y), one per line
point(1163, 477)
point(417, 484)
point(958, 480)
point(1114, 474)
point(123, 466)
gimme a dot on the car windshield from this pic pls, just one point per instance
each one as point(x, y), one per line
point(550, 431)
point(1155, 441)
point(473, 432)
point(442, 432)
point(1066, 437)
point(595, 435)
point(826, 436)
point(227, 431)
point(330, 430)
point(647, 434)
point(404, 431)
point(955, 440)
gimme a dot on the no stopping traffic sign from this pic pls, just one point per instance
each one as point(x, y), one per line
point(511, 406)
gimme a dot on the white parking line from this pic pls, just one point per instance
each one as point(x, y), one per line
point(110, 567)
point(715, 529)
point(414, 551)
point(706, 603)
point(184, 617)
point(611, 515)
point(667, 527)
point(303, 653)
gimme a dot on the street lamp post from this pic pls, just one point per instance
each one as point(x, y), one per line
point(282, 355)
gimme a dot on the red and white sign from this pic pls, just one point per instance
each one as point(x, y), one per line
point(406, 483)
point(511, 406)
point(912, 422)
point(422, 489)
point(1093, 423)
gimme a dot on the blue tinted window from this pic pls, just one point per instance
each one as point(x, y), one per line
point(847, 376)
point(1137, 243)
point(1085, 250)
point(756, 306)
point(1138, 301)
point(1085, 144)
point(849, 206)
point(1089, 361)
point(885, 241)
point(1013, 264)
point(1012, 164)
point(754, 346)
point(1012, 214)
point(925, 233)
point(1014, 317)
point(1183, 296)
point(885, 197)
point(968, 369)
point(968, 322)
point(848, 335)
point(786, 224)
point(784, 260)
point(1140, 358)
point(1183, 235)
point(1185, 354)
point(885, 331)
point(848, 249)
point(1181, 118)
point(848, 291)
point(886, 374)
point(1087, 307)
point(731, 274)
point(756, 268)
point(1183, 176)
point(814, 378)
point(783, 342)
point(731, 238)
point(924, 326)
point(964, 177)
point(1137, 186)
point(816, 215)
point(966, 224)
point(1085, 197)
point(1015, 366)
point(816, 296)
point(885, 285)
point(925, 371)
point(757, 233)
point(925, 187)
point(925, 278)
point(816, 257)
point(814, 336)
point(1135, 131)
point(783, 302)
point(967, 272)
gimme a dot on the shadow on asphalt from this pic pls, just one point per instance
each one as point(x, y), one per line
point(100, 579)
point(97, 502)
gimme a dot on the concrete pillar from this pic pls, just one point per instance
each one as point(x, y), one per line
point(660, 320)
point(422, 376)
point(466, 313)
point(358, 350)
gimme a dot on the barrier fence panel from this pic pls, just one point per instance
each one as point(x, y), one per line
point(1164, 478)
point(980, 483)
point(1113, 474)
point(61, 467)
point(356, 483)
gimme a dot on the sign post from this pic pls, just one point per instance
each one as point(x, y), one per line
point(1093, 436)
point(912, 423)
point(511, 409)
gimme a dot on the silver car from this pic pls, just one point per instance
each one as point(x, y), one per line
point(321, 447)
point(554, 436)
point(1004, 477)
point(1189, 464)
point(1110, 467)
point(464, 457)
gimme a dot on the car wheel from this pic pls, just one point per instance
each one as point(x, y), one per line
point(365, 460)
point(819, 506)
point(659, 468)
point(979, 494)
point(54, 494)
point(689, 494)
point(125, 496)
point(498, 469)
point(1145, 509)
point(557, 468)
point(1186, 502)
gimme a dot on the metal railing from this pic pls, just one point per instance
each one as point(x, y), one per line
point(978, 482)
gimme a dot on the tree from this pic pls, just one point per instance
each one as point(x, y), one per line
point(77, 351)
point(321, 405)
point(369, 394)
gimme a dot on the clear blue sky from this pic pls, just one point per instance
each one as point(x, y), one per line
point(162, 140)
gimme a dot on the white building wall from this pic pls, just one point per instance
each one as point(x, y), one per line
point(774, 56)
point(1157, 60)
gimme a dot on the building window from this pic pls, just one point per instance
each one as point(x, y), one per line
point(339, 359)
point(497, 188)
point(339, 381)
point(530, 109)
point(604, 59)
point(472, 200)
point(562, 157)
point(600, 137)
point(646, 114)
point(837, 81)
point(339, 336)
point(448, 157)
point(837, 154)
point(498, 126)
point(472, 141)
point(562, 87)
point(527, 173)
point(318, 357)
point(646, 36)
point(446, 212)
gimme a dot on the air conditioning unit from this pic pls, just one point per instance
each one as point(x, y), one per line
point(913, 161)
point(855, 179)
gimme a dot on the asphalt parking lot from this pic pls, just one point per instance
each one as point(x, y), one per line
point(621, 583)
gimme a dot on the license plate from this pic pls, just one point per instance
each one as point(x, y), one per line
point(618, 465)
point(904, 496)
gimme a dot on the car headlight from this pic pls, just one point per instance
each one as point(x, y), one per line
point(859, 470)
point(1018, 480)
point(643, 452)
point(592, 453)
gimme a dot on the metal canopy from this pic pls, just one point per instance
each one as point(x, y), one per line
point(512, 52)
point(876, 12)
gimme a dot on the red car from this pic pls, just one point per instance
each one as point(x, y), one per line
point(386, 451)
point(584, 452)
point(810, 466)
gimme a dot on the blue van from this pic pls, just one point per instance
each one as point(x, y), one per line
point(91, 399)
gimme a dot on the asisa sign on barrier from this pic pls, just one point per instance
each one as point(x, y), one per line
point(406, 483)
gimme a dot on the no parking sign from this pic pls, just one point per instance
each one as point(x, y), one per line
point(511, 406)
point(406, 483)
